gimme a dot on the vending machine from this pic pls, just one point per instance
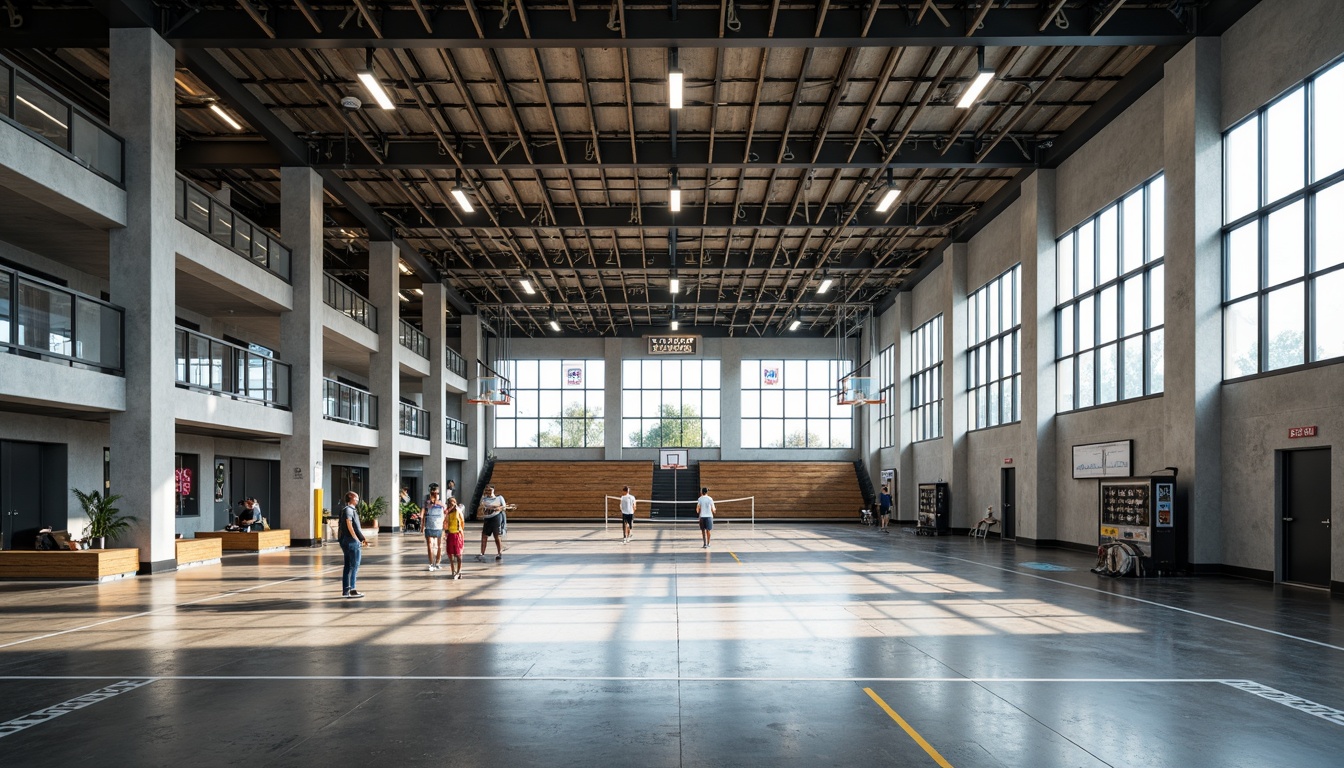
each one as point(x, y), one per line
point(1142, 511)
point(934, 504)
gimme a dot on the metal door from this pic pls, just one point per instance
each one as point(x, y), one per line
point(20, 494)
point(1008, 503)
point(1306, 516)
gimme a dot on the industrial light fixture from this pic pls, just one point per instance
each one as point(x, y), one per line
point(674, 194)
point(527, 286)
point(225, 116)
point(795, 322)
point(675, 325)
point(418, 291)
point(890, 195)
point(371, 84)
point(983, 76)
point(674, 285)
point(675, 83)
point(401, 265)
point(554, 322)
point(460, 195)
point(825, 285)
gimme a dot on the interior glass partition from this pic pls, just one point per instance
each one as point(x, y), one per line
point(199, 210)
point(216, 366)
point(350, 405)
point(53, 323)
point(55, 120)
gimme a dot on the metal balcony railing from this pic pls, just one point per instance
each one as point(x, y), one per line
point(55, 120)
point(212, 365)
point(412, 339)
point(199, 210)
point(349, 405)
point(454, 431)
point(343, 299)
point(44, 320)
point(455, 362)
point(414, 421)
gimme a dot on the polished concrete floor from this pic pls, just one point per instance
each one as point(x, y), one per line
point(816, 645)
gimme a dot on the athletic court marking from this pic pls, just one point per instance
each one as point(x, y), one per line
point(66, 707)
point(911, 732)
point(1288, 700)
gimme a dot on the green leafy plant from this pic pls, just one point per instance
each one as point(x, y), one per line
point(105, 520)
point(370, 511)
point(408, 508)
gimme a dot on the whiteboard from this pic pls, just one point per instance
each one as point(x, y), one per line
point(1103, 459)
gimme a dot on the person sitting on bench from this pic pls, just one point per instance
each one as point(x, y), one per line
point(249, 516)
point(987, 522)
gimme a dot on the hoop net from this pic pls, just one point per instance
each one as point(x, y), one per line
point(683, 512)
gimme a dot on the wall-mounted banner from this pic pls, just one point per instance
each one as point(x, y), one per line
point(674, 345)
point(573, 376)
point(770, 377)
point(1103, 459)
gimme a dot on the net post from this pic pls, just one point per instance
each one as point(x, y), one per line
point(753, 514)
point(606, 513)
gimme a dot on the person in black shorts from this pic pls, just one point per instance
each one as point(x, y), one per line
point(491, 511)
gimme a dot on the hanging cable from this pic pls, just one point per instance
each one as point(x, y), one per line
point(732, 24)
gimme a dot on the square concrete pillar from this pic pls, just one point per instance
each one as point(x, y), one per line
point(385, 379)
point(612, 437)
point(954, 444)
point(142, 280)
point(435, 321)
point(473, 415)
point(730, 385)
point(1036, 519)
point(906, 491)
point(301, 347)
point(1193, 160)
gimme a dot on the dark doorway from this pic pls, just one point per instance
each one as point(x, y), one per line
point(1306, 516)
point(259, 478)
point(32, 492)
point(345, 479)
point(1008, 502)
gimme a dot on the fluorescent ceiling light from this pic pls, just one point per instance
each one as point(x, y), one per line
point(887, 199)
point(794, 325)
point(405, 270)
point(375, 89)
point(418, 291)
point(462, 202)
point(675, 84)
point(402, 296)
point(222, 115)
point(972, 92)
point(674, 199)
point(43, 112)
point(825, 285)
point(527, 286)
point(675, 285)
point(675, 325)
point(555, 326)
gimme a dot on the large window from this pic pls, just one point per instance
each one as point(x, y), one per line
point(1110, 313)
point(886, 389)
point(994, 356)
point(670, 403)
point(556, 404)
point(792, 404)
point(926, 385)
point(1283, 239)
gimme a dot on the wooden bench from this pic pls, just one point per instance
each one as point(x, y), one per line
point(786, 489)
point(198, 551)
point(570, 489)
point(82, 565)
point(256, 541)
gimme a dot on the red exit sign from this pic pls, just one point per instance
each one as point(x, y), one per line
point(1297, 432)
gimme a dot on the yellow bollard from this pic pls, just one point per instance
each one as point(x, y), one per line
point(317, 515)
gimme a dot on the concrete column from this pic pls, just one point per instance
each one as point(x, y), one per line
point(1035, 518)
point(474, 416)
point(730, 387)
point(142, 280)
point(1192, 158)
point(954, 444)
point(436, 387)
point(301, 347)
point(906, 482)
point(613, 425)
point(385, 379)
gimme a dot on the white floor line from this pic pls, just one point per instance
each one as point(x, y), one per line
point(636, 679)
point(1331, 714)
point(174, 606)
point(1145, 601)
point(66, 707)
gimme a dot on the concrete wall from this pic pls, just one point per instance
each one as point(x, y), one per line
point(1273, 47)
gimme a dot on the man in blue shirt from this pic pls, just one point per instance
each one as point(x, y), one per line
point(884, 510)
point(351, 539)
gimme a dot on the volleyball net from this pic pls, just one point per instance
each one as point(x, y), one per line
point(726, 511)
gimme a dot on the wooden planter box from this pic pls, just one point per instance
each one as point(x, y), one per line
point(259, 541)
point(198, 551)
point(84, 565)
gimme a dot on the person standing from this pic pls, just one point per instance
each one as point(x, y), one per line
point(492, 519)
point(627, 515)
point(455, 532)
point(433, 516)
point(884, 509)
point(706, 506)
point(351, 539)
point(450, 490)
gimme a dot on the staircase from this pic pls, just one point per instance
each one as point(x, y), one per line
point(865, 484)
point(685, 488)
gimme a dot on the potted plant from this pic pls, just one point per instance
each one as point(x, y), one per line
point(369, 511)
point(409, 509)
point(105, 521)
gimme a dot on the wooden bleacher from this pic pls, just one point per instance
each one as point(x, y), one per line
point(787, 489)
point(569, 489)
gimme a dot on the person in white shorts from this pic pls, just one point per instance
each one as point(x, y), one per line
point(627, 515)
point(706, 506)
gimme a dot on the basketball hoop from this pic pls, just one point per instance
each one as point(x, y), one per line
point(491, 390)
point(858, 390)
point(671, 459)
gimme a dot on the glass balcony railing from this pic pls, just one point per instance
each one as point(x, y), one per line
point(199, 210)
point(454, 431)
point(349, 405)
point(414, 421)
point(55, 120)
point(42, 320)
point(212, 365)
point(414, 340)
point(455, 362)
point(343, 299)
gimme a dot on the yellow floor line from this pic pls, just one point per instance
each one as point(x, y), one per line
point(739, 562)
point(937, 758)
